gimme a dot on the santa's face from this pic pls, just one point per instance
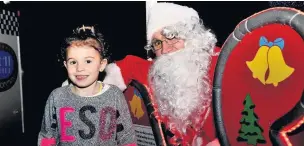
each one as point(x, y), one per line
point(179, 78)
point(163, 45)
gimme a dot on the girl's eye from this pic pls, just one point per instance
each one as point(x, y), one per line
point(72, 62)
point(88, 61)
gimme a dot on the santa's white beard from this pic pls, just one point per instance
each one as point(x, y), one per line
point(180, 85)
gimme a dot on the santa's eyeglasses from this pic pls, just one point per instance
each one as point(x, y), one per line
point(168, 37)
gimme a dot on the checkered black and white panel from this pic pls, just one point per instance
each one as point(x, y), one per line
point(9, 23)
point(11, 92)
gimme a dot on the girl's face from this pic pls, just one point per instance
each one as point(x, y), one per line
point(83, 65)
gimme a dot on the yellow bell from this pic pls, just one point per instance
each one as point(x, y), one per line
point(259, 64)
point(136, 108)
point(278, 69)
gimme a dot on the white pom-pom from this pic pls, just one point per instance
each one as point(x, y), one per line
point(114, 76)
point(6, 2)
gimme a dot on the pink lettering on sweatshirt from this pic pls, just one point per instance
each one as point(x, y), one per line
point(65, 124)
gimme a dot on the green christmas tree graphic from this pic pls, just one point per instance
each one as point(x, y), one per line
point(250, 131)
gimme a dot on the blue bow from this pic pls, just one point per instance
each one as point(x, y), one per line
point(278, 42)
point(137, 93)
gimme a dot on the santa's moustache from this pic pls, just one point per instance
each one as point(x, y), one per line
point(181, 86)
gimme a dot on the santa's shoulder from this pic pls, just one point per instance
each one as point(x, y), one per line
point(131, 59)
point(217, 51)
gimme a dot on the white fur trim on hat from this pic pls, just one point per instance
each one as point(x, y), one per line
point(114, 76)
point(166, 14)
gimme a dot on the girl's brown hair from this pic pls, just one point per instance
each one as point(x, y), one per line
point(85, 36)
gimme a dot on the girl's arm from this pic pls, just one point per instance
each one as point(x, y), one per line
point(48, 134)
point(125, 130)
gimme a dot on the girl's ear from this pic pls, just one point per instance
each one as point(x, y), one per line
point(64, 62)
point(103, 65)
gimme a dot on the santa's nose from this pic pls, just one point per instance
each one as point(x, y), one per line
point(167, 49)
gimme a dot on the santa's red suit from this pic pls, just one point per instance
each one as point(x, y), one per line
point(122, 72)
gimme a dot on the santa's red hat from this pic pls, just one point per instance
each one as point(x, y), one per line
point(165, 14)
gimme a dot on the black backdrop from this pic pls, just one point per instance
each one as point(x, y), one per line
point(43, 25)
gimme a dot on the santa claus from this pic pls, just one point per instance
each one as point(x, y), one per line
point(179, 78)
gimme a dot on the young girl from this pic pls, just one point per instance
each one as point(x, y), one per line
point(87, 112)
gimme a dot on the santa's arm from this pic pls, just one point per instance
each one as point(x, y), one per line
point(214, 58)
point(122, 72)
point(210, 123)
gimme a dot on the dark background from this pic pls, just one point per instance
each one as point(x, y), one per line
point(43, 25)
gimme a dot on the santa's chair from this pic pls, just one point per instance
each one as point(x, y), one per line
point(148, 129)
point(259, 81)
